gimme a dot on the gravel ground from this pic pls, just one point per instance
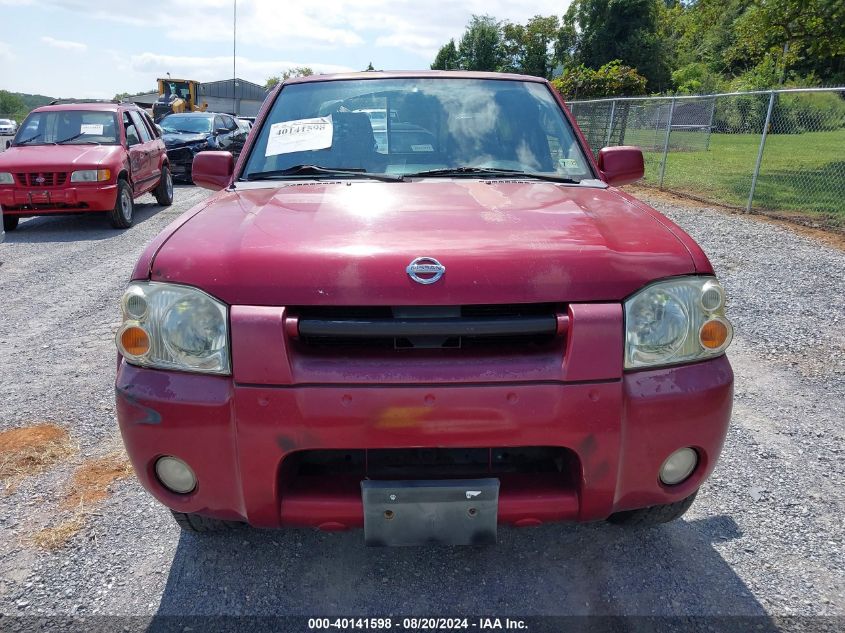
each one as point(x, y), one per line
point(765, 536)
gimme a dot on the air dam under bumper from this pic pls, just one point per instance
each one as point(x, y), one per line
point(235, 437)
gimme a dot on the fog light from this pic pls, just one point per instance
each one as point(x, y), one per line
point(175, 475)
point(678, 466)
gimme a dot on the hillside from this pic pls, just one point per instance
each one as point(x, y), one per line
point(16, 105)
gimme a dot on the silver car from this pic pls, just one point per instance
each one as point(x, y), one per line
point(8, 127)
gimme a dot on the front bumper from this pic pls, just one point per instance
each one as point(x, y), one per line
point(68, 199)
point(236, 437)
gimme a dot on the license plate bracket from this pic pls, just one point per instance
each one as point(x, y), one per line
point(425, 512)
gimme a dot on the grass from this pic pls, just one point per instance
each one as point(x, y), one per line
point(91, 484)
point(799, 173)
point(31, 450)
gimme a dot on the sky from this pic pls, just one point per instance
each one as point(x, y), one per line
point(94, 49)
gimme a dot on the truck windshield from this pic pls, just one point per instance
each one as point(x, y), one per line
point(71, 127)
point(435, 125)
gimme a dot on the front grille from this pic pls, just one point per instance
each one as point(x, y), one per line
point(42, 179)
point(181, 155)
point(426, 327)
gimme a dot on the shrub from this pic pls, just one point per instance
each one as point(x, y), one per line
point(611, 80)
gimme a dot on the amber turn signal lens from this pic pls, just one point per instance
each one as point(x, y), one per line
point(135, 341)
point(713, 334)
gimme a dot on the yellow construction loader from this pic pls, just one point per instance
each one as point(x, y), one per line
point(176, 95)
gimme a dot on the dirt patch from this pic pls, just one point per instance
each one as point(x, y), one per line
point(799, 223)
point(31, 450)
point(92, 480)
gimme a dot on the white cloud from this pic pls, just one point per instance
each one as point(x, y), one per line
point(413, 25)
point(67, 45)
point(6, 54)
point(213, 68)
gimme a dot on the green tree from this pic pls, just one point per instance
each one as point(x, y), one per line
point(800, 36)
point(627, 30)
point(529, 48)
point(447, 57)
point(698, 78)
point(703, 32)
point(480, 47)
point(298, 71)
point(369, 67)
point(12, 106)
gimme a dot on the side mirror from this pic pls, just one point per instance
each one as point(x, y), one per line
point(621, 165)
point(222, 130)
point(213, 170)
point(8, 144)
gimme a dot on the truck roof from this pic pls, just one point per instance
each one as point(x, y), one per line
point(404, 74)
point(86, 105)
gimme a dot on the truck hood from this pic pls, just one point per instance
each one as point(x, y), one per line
point(349, 243)
point(56, 157)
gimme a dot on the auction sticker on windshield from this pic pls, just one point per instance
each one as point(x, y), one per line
point(91, 128)
point(302, 135)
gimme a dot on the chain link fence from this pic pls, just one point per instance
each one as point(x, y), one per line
point(779, 152)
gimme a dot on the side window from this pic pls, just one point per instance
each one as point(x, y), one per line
point(137, 119)
point(150, 124)
point(132, 137)
point(229, 123)
point(218, 123)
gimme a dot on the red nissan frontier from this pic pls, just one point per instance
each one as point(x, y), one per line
point(423, 324)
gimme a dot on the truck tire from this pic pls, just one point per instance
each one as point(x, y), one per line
point(654, 515)
point(164, 191)
point(10, 222)
point(190, 522)
point(124, 206)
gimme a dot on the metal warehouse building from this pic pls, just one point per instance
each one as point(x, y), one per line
point(235, 96)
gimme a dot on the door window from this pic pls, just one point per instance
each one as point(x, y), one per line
point(138, 120)
point(132, 137)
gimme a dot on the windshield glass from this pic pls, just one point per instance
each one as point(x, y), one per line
point(179, 123)
point(71, 127)
point(434, 123)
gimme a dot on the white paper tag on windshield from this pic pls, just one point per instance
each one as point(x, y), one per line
point(302, 135)
point(91, 128)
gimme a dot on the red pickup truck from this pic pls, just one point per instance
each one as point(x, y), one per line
point(424, 327)
point(83, 157)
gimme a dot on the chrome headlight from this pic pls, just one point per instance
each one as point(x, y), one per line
point(90, 175)
point(6, 178)
point(174, 327)
point(676, 321)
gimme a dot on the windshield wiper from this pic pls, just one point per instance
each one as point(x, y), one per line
point(492, 171)
point(28, 140)
point(69, 138)
point(316, 170)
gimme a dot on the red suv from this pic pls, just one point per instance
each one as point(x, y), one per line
point(424, 328)
point(81, 157)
